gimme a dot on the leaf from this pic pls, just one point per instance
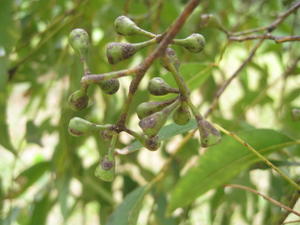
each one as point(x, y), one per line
point(165, 133)
point(223, 162)
point(127, 212)
point(41, 210)
point(28, 177)
point(33, 133)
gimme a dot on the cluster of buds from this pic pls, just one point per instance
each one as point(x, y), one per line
point(152, 115)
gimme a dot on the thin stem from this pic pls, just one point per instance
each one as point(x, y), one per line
point(273, 201)
point(144, 66)
point(277, 39)
point(274, 24)
point(265, 160)
point(234, 75)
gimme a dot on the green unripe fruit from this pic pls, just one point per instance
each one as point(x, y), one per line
point(153, 123)
point(147, 108)
point(125, 26)
point(152, 143)
point(209, 135)
point(194, 43)
point(79, 127)
point(296, 114)
point(78, 100)
point(106, 170)
point(171, 56)
point(182, 115)
point(79, 40)
point(157, 86)
point(110, 86)
point(118, 51)
point(210, 20)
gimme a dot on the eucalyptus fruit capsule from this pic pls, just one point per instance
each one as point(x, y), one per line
point(182, 115)
point(118, 51)
point(79, 40)
point(194, 43)
point(153, 123)
point(147, 108)
point(79, 127)
point(209, 135)
point(106, 170)
point(170, 54)
point(110, 86)
point(78, 100)
point(125, 26)
point(152, 143)
point(157, 86)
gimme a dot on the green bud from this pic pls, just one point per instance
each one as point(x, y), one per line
point(106, 170)
point(118, 51)
point(110, 86)
point(125, 26)
point(182, 114)
point(208, 133)
point(171, 56)
point(296, 114)
point(194, 43)
point(157, 86)
point(153, 123)
point(79, 127)
point(210, 20)
point(78, 100)
point(152, 143)
point(147, 108)
point(79, 40)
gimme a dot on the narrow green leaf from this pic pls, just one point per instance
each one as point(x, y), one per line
point(28, 177)
point(223, 162)
point(127, 212)
point(41, 210)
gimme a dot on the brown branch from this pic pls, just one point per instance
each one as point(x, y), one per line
point(273, 201)
point(144, 66)
point(292, 221)
point(274, 24)
point(234, 75)
point(291, 204)
point(277, 39)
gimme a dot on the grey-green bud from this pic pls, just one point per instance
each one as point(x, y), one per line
point(106, 170)
point(79, 40)
point(182, 115)
point(209, 135)
point(78, 100)
point(153, 123)
point(147, 108)
point(110, 86)
point(152, 143)
point(79, 127)
point(157, 86)
point(194, 43)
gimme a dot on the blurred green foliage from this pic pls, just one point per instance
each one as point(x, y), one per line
point(47, 176)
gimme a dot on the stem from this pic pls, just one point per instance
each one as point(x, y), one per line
point(265, 160)
point(144, 66)
point(273, 201)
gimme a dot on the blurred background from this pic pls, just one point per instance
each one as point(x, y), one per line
point(47, 176)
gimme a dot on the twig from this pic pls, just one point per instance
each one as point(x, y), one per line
point(234, 75)
point(292, 221)
point(273, 201)
point(255, 152)
point(144, 66)
point(277, 39)
point(291, 204)
point(273, 25)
